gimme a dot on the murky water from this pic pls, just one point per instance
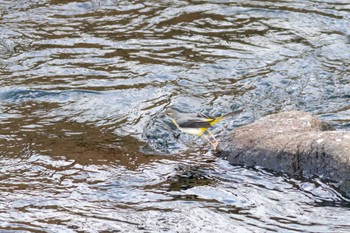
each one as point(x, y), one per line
point(83, 85)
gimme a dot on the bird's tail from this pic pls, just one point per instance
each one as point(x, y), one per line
point(220, 118)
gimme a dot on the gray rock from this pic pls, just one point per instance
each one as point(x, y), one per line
point(293, 142)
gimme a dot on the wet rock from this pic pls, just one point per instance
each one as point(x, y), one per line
point(293, 142)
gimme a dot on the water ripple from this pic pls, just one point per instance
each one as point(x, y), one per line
point(84, 84)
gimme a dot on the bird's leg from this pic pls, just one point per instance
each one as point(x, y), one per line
point(211, 135)
point(214, 144)
point(216, 140)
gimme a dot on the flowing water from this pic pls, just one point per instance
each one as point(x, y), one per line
point(85, 146)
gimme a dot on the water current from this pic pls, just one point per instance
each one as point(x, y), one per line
point(85, 146)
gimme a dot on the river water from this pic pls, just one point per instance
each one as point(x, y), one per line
point(85, 146)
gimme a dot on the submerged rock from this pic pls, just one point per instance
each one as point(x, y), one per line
point(293, 142)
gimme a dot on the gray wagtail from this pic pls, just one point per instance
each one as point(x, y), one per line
point(197, 124)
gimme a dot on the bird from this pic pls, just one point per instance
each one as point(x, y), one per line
point(197, 124)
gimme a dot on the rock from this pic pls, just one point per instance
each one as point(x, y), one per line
point(293, 142)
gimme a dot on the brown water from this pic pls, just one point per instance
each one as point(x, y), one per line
point(83, 85)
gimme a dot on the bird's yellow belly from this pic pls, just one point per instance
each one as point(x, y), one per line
point(195, 131)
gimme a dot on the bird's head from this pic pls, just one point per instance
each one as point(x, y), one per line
point(171, 113)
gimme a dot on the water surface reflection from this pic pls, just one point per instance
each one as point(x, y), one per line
point(83, 85)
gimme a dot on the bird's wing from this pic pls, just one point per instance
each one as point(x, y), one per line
point(194, 123)
point(202, 115)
